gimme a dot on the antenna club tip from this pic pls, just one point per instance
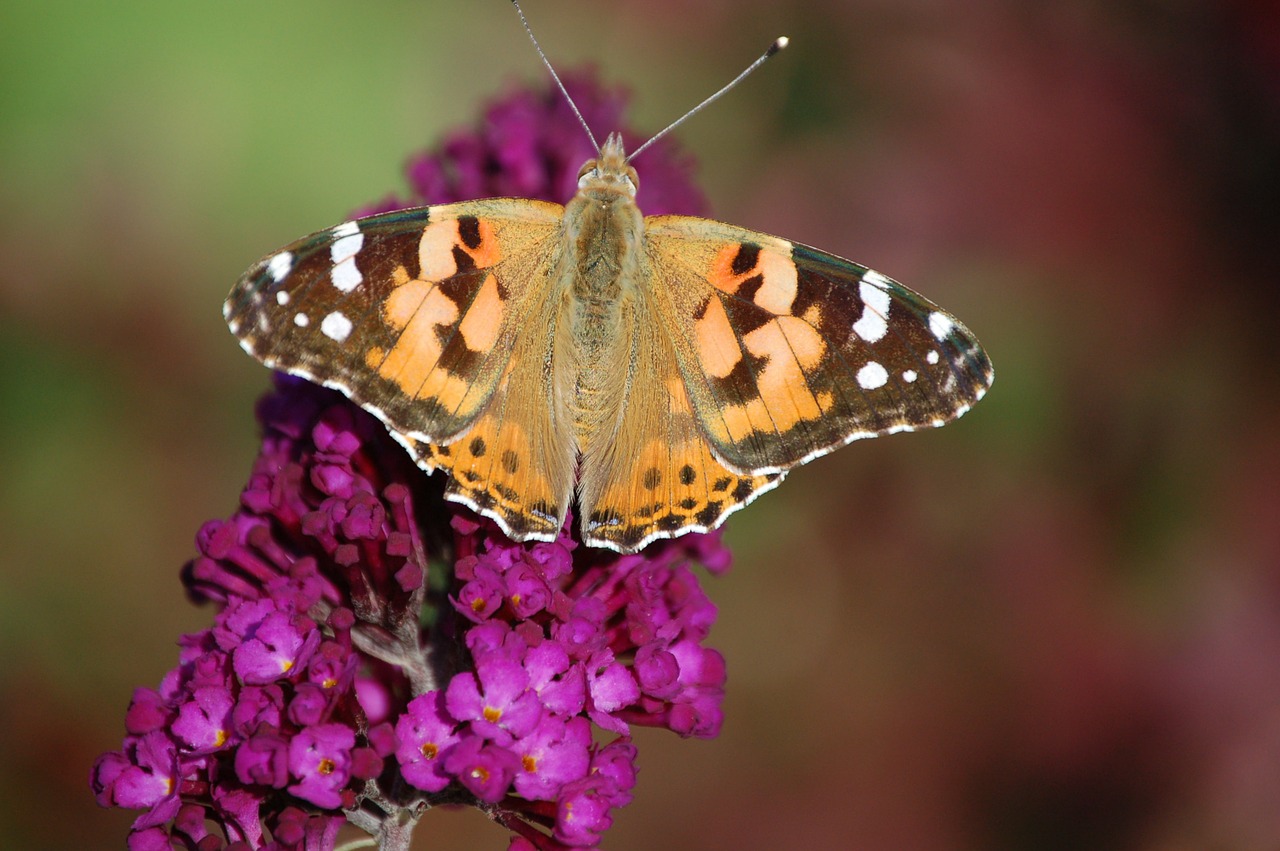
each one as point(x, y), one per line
point(781, 43)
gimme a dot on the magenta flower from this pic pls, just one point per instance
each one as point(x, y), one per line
point(426, 736)
point(376, 652)
point(486, 770)
point(320, 757)
point(554, 754)
point(203, 720)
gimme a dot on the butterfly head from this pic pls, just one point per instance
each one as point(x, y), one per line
point(608, 175)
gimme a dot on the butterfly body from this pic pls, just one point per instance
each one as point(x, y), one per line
point(659, 373)
point(603, 277)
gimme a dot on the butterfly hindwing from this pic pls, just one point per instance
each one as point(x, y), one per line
point(652, 475)
point(407, 313)
point(516, 462)
point(788, 352)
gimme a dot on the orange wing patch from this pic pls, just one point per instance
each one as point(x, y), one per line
point(454, 245)
point(421, 316)
point(787, 349)
point(764, 275)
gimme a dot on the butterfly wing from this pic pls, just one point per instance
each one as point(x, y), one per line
point(653, 475)
point(414, 315)
point(788, 353)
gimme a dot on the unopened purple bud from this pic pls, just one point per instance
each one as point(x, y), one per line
point(147, 711)
point(610, 687)
point(658, 671)
point(263, 759)
point(257, 706)
point(365, 517)
point(552, 560)
point(699, 666)
point(582, 814)
point(310, 705)
point(365, 764)
point(617, 762)
point(700, 717)
point(149, 839)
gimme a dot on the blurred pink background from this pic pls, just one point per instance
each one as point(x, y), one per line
point(1053, 624)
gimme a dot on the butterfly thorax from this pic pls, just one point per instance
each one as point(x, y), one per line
point(603, 261)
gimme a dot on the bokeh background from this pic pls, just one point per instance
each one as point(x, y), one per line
point(1054, 624)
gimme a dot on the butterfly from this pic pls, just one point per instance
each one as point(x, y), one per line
point(657, 373)
point(660, 373)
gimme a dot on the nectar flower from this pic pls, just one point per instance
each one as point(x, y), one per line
point(376, 651)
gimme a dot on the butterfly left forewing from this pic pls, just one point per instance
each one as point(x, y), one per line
point(788, 352)
point(417, 316)
point(410, 314)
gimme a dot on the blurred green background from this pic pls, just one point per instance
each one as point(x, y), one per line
point(1054, 624)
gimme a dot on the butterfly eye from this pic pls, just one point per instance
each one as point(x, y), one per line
point(632, 178)
point(589, 171)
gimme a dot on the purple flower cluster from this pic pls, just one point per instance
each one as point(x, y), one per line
point(378, 651)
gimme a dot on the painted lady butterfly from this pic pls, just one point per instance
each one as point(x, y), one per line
point(660, 373)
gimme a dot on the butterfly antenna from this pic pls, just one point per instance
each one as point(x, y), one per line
point(555, 76)
point(773, 48)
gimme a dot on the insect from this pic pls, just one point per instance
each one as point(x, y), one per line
point(657, 373)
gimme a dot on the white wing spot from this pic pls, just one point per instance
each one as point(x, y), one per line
point(932, 357)
point(282, 298)
point(940, 324)
point(874, 322)
point(346, 277)
point(280, 265)
point(872, 375)
point(301, 320)
point(871, 276)
point(336, 327)
point(909, 376)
